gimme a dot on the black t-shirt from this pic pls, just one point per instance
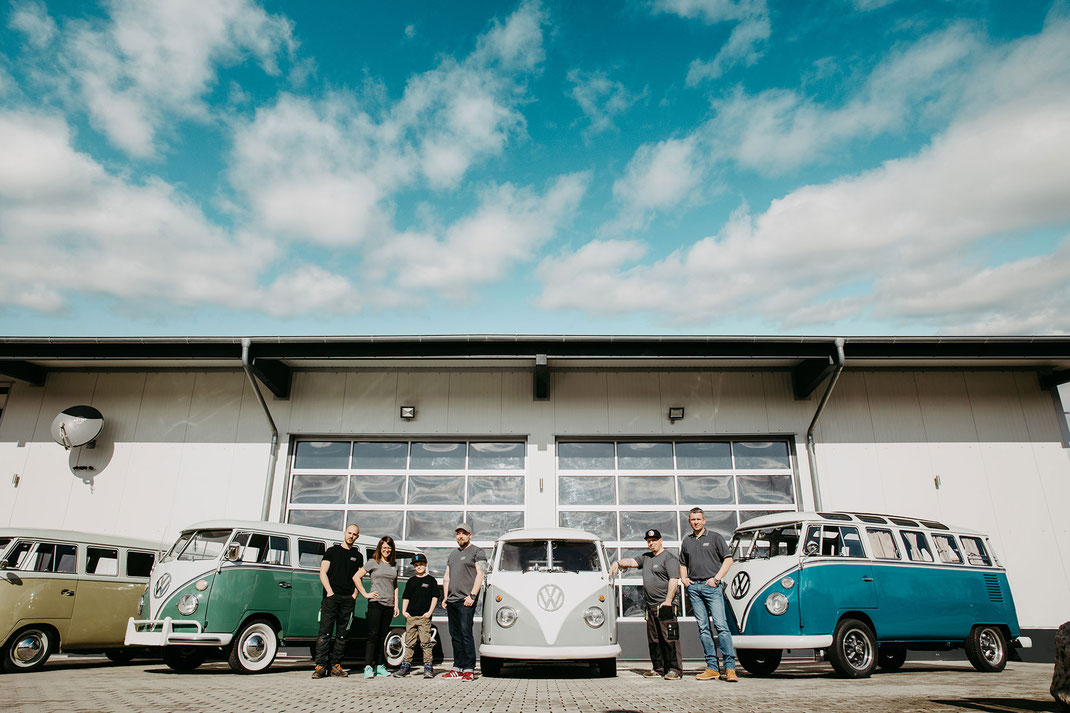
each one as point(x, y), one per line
point(419, 591)
point(344, 564)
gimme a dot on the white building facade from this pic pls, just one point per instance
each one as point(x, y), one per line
point(536, 431)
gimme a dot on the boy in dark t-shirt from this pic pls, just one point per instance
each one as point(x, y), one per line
point(422, 595)
point(338, 576)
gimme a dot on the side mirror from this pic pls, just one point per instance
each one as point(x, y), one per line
point(233, 553)
point(811, 549)
point(3, 564)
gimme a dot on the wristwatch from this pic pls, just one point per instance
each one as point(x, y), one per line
point(716, 582)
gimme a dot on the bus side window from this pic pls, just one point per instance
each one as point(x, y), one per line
point(100, 560)
point(404, 565)
point(310, 553)
point(850, 542)
point(18, 554)
point(947, 549)
point(139, 564)
point(882, 543)
point(55, 558)
point(975, 551)
point(917, 547)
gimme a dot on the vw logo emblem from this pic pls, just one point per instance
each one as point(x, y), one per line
point(551, 597)
point(161, 585)
point(740, 585)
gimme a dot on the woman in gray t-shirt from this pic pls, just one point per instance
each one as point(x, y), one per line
point(382, 603)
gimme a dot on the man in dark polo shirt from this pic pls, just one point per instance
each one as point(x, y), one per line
point(338, 575)
point(704, 563)
point(464, 576)
point(661, 570)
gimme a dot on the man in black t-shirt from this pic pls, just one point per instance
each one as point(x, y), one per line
point(422, 595)
point(338, 574)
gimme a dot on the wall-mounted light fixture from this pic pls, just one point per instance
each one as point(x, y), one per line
point(408, 412)
point(676, 413)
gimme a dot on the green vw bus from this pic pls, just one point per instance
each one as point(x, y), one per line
point(243, 589)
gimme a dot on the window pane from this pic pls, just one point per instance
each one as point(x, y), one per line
point(975, 551)
point(524, 556)
point(632, 600)
point(139, 564)
point(318, 489)
point(916, 546)
point(377, 489)
point(585, 456)
point(436, 490)
point(326, 519)
point(760, 489)
point(882, 544)
point(721, 522)
point(488, 525)
point(644, 456)
point(633, 525)
point(436, 560)
point(432, 525)
point(603, 524)
point(322, 454)
point(752, 456)
point(495, 490)
point(703, 456)
point(575, 556)
point(437, 456)
point(706, 490)
point(373, 455)
point(101, 561)
point(647, 490)
point(310, 553)
point(55, 558)
point(377, 523)
point(590, 490)
point(17, 554)
point(947, 549)
point(496, 456)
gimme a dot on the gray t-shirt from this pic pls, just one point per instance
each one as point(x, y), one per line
point(384, 580)
point(462, 567)
point(657, 571)
point(703, 555)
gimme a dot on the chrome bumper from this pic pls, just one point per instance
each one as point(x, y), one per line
point(166, 632)
point(549, 653)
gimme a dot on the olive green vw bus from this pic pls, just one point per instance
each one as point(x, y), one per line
point(67, 591)
point(243, 589)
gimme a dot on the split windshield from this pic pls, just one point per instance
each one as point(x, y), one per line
point(767, 542)
point(549, 556)
point(198, 545)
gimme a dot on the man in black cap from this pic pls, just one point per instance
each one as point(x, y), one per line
point(661, 574)
point(464, 577)
point(421, 597)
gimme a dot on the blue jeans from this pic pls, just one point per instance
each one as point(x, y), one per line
point(708, 602)
point(464, 643)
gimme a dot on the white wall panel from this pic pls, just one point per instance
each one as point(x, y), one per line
point(692, 390)
point(521, 413)
point(739, 402)
point(633, 403)
point(849, 475)
point(252, 423)
point(317, 401)
point(145, 509)
point(846, 417)
point(475, 402)
point(786, 414)
point(997, 410)
point(213, 414)
point(429, 392)
point(17, 425)
point(164, 412)
point(580, 403)
point(370, 397)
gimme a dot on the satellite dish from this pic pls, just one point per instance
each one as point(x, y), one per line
point(77, 426)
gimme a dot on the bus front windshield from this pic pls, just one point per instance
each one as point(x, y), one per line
point(198, 545)
point(561, 556)
point(777, 541)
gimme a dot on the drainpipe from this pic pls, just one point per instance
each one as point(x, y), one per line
point(273, 458)
point(810, 453)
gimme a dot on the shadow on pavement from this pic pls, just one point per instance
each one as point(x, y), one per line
point(1000, 705)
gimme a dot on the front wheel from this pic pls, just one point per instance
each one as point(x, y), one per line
point(394, 647)
point(184, 659)
point(759, 662)
point(891, 658)
point(254, 648)
point(28, 650)
point(491, 667)
point(986, 648)
point(854, 649)
point(607, 668)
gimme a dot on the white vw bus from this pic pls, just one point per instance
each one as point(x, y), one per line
point(548, 596)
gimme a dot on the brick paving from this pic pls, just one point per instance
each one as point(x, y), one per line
point(76, 684)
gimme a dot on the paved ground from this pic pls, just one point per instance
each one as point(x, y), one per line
point(77, 684)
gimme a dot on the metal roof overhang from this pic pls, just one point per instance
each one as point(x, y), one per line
point(273, 359)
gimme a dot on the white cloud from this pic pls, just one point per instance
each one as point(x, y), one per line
point(153, 63)
point(744, 45)
point(659, 176)
point(32, 19)
point(600, 98)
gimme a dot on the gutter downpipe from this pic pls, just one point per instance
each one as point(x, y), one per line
point(274, 456)
point(810, 453)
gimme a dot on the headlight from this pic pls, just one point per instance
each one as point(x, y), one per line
point(505, 617)
point(787, 583)
point(776, 603)
point(595, 617)
point(187, 604)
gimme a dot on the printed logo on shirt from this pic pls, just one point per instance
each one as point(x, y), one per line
point(705, 544)
point(424, 585)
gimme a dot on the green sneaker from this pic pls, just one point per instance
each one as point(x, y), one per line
point(380, 670)
point(369, 672)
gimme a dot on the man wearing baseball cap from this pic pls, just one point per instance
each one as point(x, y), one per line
point(421, 597)
point(464, 576)
point(661, 575)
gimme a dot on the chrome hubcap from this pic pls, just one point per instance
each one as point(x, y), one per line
point(857, 650)
point(254, 647)
point(991, 649)
point(29, 649)
point(395, 647)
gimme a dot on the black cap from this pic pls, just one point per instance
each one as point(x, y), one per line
point(419, 558)
point(653, 534)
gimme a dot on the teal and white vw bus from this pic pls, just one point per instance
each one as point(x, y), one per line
point(243, 589)
point(866, 589)
point(548, 597)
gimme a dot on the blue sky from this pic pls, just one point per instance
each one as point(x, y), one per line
point(648, 166)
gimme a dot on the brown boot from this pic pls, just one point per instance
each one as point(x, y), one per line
point(730, 675)
point(338, 671)
point(320, 672)
point(710, 674)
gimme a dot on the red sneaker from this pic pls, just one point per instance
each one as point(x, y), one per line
point(453, 674)
point(468, 676)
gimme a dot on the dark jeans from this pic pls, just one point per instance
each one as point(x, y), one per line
point(334, 611)
point(664, 654)
point(379, 617)
point(464, 643)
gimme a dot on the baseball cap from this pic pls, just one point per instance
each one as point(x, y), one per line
point(463, 526)
point(419, 558)
point(652, 535)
